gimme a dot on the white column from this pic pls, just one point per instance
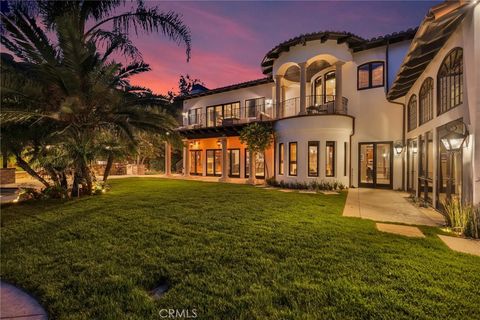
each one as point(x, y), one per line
point(186, 167)
point(303, 87)
point(338, 88)
point(224, 176)
point(278, 96)
point(168, 158)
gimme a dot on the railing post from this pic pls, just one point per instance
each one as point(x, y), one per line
point(303, 87)
point(338, 88)
point(278, 96)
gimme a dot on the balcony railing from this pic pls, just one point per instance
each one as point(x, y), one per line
point(318, 104)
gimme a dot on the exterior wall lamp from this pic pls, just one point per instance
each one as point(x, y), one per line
point(398, 146)
point(455, 138)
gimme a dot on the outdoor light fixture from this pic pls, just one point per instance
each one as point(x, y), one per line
point(455, 138)
point(219, 143)
point(398, 147)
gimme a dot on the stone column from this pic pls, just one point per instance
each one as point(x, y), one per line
point(303, 87)
point(168, 158)
point(186, 166)
point(224, 176)
point(278, 96)
point(338, 88)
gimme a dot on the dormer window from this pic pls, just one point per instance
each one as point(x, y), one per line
point(370, 75)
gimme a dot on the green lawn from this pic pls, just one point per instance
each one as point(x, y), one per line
point(230, 252)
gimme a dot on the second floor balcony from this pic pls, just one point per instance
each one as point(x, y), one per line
point(232, 114)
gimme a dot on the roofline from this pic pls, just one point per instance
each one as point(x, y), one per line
point(236, 86)
point(354, 42)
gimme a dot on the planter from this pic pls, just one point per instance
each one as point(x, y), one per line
point(7, 175)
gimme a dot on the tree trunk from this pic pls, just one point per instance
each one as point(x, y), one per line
point(108, 167)
point(25, 166)
point(63, 180)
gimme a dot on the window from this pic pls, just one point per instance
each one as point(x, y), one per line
point(330, 159)
point(216, 114)
point(214, 162)
point(450, 81)
point(252, 106)
point(425, 98)
point(292, 158)
point(194, 116)
point(330, 86)
point(234, 158)
point(370, 75)
point(412, 113)
point(196, 166)
point(318, 90)
point(313, 158)
point(281, 152)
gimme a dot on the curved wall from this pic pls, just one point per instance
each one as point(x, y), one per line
point(321, 128)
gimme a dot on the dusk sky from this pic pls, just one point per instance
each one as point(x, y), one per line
point(229, 39)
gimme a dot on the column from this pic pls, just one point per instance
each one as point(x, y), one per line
point(303, 87)
point(339, 108)
point(224, 176)
point(186, 167)
point(251, 169)
point(278, 96)
point(168, 158)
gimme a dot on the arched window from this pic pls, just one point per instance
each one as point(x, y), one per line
point(425, 101)
point(450, 81)
point(412, 113)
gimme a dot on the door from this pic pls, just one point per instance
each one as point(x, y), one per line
point(375, 165)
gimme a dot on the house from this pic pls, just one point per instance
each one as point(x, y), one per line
point(400, 111)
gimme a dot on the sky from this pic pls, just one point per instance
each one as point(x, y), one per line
point(230, 38)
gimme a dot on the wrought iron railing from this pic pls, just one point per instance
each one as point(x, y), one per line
point(314, 105)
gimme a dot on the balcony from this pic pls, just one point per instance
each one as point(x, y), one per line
point(218, 117)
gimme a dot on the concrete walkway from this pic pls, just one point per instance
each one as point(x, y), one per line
point(17, 304)
point(388, 206)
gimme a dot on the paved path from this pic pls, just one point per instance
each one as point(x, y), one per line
point(388, 206)
point(17, 304)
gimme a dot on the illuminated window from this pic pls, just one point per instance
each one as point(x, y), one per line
point(330, 86)
point(330, 159)
point(450, 81)
point(370, 75)
point(313, 158)
point(425, 98)
point(234, 158)
point(292, 158)
point(196, 166)
point(281, 150)
point(412, 113)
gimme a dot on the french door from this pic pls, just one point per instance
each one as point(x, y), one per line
point(375, 164)
point(214, 162)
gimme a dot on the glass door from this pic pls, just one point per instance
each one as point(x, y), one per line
point(375, 164)
point(196, 165)
point(214, 162)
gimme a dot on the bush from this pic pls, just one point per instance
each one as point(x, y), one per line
point(313, 185)
point(462, 218)
point(55, 192)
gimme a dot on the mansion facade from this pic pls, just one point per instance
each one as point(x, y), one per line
point(401, 111)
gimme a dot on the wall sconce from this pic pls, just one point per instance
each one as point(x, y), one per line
point(398, 146)
point(455, 138)
point(219, 143)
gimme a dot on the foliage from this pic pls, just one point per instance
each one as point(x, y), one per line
point(321, 185)
point(462, 218)
point(257, 136)
point(67, 92)
point(231, 251)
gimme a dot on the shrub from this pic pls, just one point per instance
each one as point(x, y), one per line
point(55, 192)
point(462, 218)
point(313, 185)
point(473, 225)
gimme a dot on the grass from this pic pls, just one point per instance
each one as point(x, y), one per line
point(229, 252)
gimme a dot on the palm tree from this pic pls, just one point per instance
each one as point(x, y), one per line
point(72, 86)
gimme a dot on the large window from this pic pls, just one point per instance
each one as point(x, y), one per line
point(259, 165)
point(234, 159)
point(216, 114)
point(450, 81)
point(292, 158)
point(412, 113)
point(194, 116)
point(370, 75)
point(196, 165)
point(214, 162)
point(330, 159)
point(425, 98)
point(281, 153)
point(253, 106)
point(330, 86)
point(313, 158)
